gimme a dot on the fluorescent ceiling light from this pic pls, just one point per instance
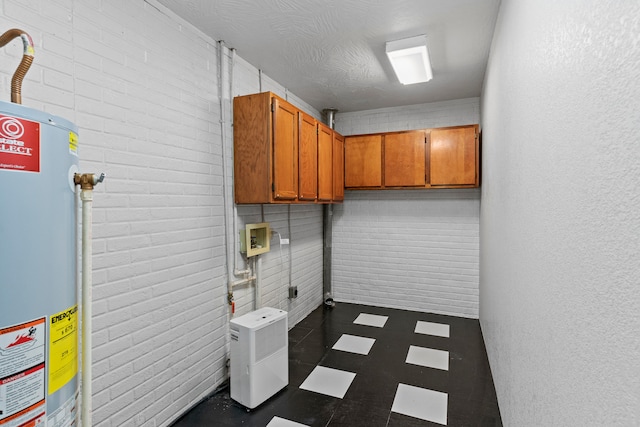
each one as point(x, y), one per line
point(410, 59)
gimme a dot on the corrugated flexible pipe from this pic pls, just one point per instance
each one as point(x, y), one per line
point(27, 59)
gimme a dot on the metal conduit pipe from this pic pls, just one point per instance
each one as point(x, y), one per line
point(27, 59)
point(327, 221)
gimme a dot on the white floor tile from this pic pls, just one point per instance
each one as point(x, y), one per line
point(354, 344)
point(429, 328)
point(371, 320)
point(281, 422)
point(332, 382)
point(421, 403)
point(429, 357)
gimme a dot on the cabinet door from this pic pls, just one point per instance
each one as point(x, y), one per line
point(453, 156)
point(285, 150)
point(308, 157)
point(325, 163)
point(404, 159)
point(338, 167)
point(252, 148)
point(363, 161)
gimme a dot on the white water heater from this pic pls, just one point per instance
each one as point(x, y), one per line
point(38, 297)
point(259, 356)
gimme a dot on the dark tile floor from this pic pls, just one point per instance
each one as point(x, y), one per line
point(470, 395)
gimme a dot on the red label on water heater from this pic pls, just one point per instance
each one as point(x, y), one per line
point(19, 144)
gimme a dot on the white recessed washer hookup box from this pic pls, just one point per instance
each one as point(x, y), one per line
point(259, 356)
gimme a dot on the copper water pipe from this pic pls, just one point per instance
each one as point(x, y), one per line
point(27, 59)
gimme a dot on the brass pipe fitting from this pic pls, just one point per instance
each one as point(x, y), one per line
point(87, 181)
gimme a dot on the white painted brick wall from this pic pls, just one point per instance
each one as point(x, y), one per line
point(304, 266)
point(415, 250)
point(142, 86)
point(305, 261)
point(435, 114)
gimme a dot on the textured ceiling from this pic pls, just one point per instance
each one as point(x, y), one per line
point(331, 53)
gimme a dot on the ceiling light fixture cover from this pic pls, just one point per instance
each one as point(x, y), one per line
point(410, 59)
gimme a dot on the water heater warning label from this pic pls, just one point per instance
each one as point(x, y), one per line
point(19, 144)
point(73, 143)
point(63, 349)
point(22, 367)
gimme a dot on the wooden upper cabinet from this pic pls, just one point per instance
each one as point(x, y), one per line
point(454, 156)
point(424, 158)
point(363, 161)
point(338, 167)
point(308, 157)
point(252, 154)
point(265, 149)
point(325, 163)
point(279, 154)
point(404, 159)
point(285, 150)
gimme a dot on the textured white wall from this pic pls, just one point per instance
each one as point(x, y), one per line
point(142, 86)
point(412, 249)
point(560, 213)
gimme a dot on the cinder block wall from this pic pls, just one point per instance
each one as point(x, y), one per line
point(410, 249)
point(142, 86)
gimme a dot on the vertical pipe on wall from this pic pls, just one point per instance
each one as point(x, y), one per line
point(87, 202)
point(327, 221)
point(247, 271)
point(257, 268)
point(290, 249)
point(230, 241)
point(86, 182)
point(227, 240)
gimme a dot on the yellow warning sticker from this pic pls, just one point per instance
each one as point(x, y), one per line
point(63, 348)
point(73, 143)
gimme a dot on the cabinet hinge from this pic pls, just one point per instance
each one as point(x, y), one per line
point(273, 186)
point(273, 108)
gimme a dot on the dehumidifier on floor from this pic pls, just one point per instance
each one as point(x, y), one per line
point(259, 356)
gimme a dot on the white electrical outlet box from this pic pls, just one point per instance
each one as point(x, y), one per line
point(284, 241)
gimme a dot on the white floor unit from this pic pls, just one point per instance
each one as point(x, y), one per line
point(259, 356)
